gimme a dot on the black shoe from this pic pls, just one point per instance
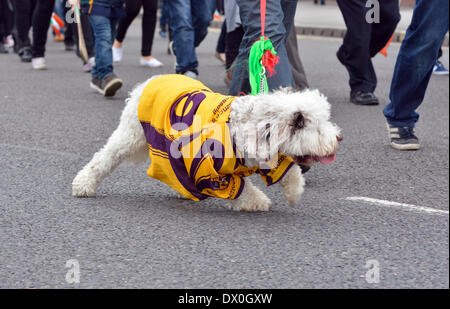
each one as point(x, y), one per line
point(25, 54)
point(363, 98)
point(3, 49)
point(70, 47)
point(403, 138)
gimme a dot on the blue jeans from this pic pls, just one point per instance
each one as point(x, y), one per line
point(415, 61)
point(104, 30)
point(279, 17)
point(189, 21)
point(164, 19)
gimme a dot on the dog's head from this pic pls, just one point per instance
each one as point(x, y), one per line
point(294, 123)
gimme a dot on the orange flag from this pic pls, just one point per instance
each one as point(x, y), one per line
point(384, 50)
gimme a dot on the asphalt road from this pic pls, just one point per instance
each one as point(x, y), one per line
point(136, 233)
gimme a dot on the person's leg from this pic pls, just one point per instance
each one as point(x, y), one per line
point(415, 61)
point(22, 20)
point(233, 41)
point(220, 47)
point(383, 31)
point(2, 23)
point(354, 53)
point(202, 14)
point(278, 14)
point(183, 35)
point(132, 7)
point(164, 19)
point(8, 14)
point(101, 27)
point(104, 80)
point(88, 35)
point(41, 23)
point(70, 34)
point(148, 26)
point(298, 72)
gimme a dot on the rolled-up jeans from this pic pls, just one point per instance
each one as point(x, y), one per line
point(104, 30)
point(279, 17)
point(415, 61)
point(189, 21)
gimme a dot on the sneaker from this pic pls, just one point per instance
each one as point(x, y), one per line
point(117, 54)
point(190, 74)
point(152, 63)
point(403, 138)
point(111, 84)
point(87, 67)
point(96, 84)
point(439, 69)
point(25, 54)
point(162, 33)
point(363, 98)
point(39, 63)
point(9, 42)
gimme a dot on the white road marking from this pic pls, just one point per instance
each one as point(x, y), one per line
point(408, 207)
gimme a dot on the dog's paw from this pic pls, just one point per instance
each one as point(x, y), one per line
point(82, 186)
point(293, 185)
point(293, 194)
point(259, 202)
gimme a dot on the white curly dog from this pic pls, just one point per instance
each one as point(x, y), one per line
point(303, 133)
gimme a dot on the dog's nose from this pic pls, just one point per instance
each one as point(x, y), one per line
point(340, 138)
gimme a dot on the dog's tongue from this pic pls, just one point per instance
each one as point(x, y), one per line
point(327, 159)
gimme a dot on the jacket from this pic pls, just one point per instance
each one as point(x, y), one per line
point(190, 145)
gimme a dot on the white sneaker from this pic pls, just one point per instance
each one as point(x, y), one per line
point(88, 66)
point(153, 63)
point(117, 54)
point(190, 74)
point(39, 63)
point(9, 41)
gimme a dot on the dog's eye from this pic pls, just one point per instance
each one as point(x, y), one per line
point(299, 120)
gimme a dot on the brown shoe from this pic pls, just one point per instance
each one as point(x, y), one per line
point(111, 84)
point(96, 84)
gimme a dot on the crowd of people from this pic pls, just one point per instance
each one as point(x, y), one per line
point(185, 22)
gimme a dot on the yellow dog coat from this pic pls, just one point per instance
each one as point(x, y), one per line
point(190, 146)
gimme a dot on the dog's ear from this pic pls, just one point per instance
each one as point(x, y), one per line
point(299, 121)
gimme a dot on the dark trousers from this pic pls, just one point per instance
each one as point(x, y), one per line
point(298, 72)
point(6, 19)
point(36, 14)
point(69, 34)
point(233, 40)
point(364, 40)
point(220, 48)
point(148, 22)
point(72, 32)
